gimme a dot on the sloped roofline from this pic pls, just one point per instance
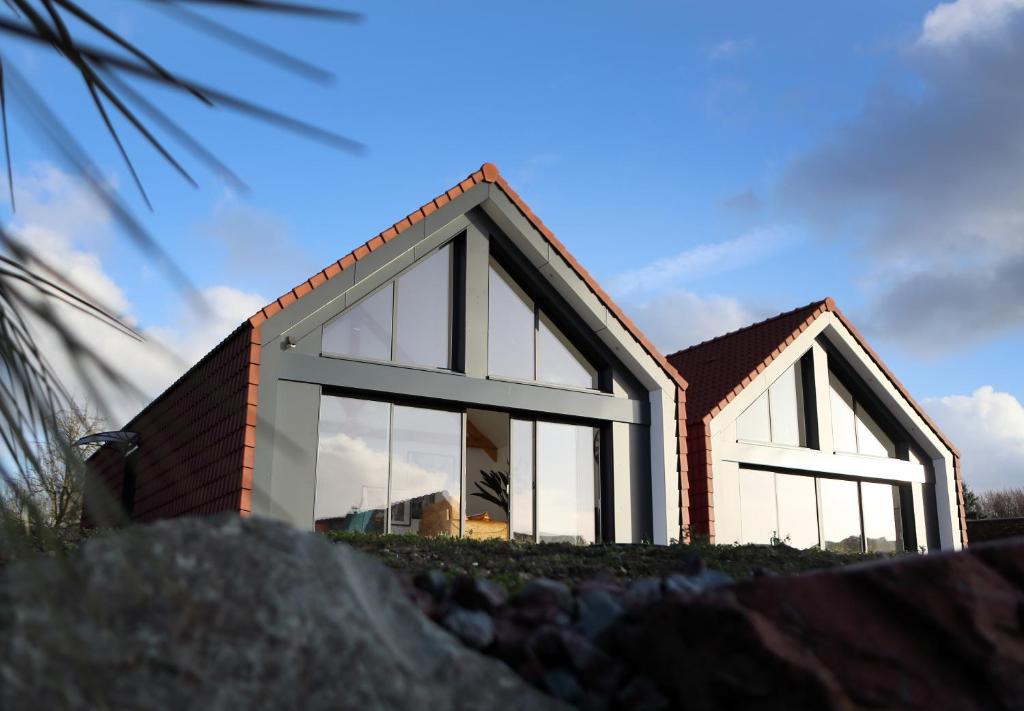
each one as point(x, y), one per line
point(488, 173)
point(817, 308)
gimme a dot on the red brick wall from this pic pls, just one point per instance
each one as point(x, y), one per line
point(698, 454)
point(196, 439)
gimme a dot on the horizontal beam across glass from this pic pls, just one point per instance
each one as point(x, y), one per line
point(457, 389)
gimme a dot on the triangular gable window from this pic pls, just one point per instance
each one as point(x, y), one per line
point(523, 343)
point(777, 415)
point(408, 320)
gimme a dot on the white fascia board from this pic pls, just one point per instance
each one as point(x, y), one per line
point(664, 477)
point(811, 460)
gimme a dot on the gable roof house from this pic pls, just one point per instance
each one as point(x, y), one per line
point(462, 374)
point(797, 431)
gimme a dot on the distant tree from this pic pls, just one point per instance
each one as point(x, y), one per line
point(48, 494)
point(1003, 503)
point(972, 504)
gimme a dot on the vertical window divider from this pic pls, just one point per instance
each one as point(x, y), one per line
point(536, 517)
point(860, 513)
point(391, 457)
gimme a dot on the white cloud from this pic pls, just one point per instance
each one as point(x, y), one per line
point(953, 22)
point(59, 219)
point(677, 319)
point(929, 181)
point(728, 49)
point(701, 261)
point(988, 428)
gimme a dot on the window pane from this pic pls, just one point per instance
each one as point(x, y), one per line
point(510, 328)
point(840, 515)
point(522, 480)
point(753, 425)
point(786, 410)
point(758, 520)
point(566, 470)
point(844, 429)
point(364, 330)
point(352, 465)
point(798, 510)
point(488, 498)
point(423, 312)
point(426, 471)
point(879, 516)
point(558, 362)
point(870, 437)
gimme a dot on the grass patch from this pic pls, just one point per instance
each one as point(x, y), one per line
point(514, 563)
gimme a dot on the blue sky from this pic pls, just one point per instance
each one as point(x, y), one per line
point(711, 164)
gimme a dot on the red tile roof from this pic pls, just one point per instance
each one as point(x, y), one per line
point(719, 369)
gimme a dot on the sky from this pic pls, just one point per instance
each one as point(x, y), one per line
point(711, 164)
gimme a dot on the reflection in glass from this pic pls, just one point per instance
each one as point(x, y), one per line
point(522, 480)
point(844, 428)
point(352, 465)
point(840, 515)
point(753, 424)
point(758, 521)
point(798, 510)
point(566, 475)
point(426, 471)
point(422, 312)
point(364, 330)
point(510, 330)
point(879, 517)
point(558, 362)
point(786, 415)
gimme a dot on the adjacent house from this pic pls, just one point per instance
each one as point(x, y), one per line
point(797, 431)
point(461, 374)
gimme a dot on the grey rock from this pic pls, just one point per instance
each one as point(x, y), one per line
point(433, 582)
point(479, 593)
point(563, 685)
point(542, 591)
point(643, 592)
point(473, 627)
point(231, 613)
point(597, 611)
point(695, 584)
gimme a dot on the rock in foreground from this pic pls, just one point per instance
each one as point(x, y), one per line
point(231, 613)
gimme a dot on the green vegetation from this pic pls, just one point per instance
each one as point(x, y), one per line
point(514, 563)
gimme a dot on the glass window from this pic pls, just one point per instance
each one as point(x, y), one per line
point(879, 516)
point(844, 427)
point(364, 330)
point(870, 437)
point(423, 312)
point(522, 480)
point(352, 465)
point(786, 409)
point(754, 424)
point(426, 471)
point(798, 510)
point(511, 328)
point(758, 518)
point(840, 515)
point(558, 362)
point(566, 488)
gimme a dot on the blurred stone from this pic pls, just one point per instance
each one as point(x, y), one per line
point(473, 627)
point(479, 593)
point(694, 584)
point(644, 591)
point(542, 591)
point(563, 685)
point(597, 611)
point(231, 613)
point(433, 582)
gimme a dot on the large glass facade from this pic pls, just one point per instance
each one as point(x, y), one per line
point(406, 321)
point(840, 515)
point(423, 307)
point(377, 461)
point(566, 483)
point(777, 415)
point(806, 511)
point(511, 328)
point(523, 343)
point(854, 431)
point(522, 485)
point(352, 465)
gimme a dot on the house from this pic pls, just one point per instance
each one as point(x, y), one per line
point(797, 431)
point(461, 374)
